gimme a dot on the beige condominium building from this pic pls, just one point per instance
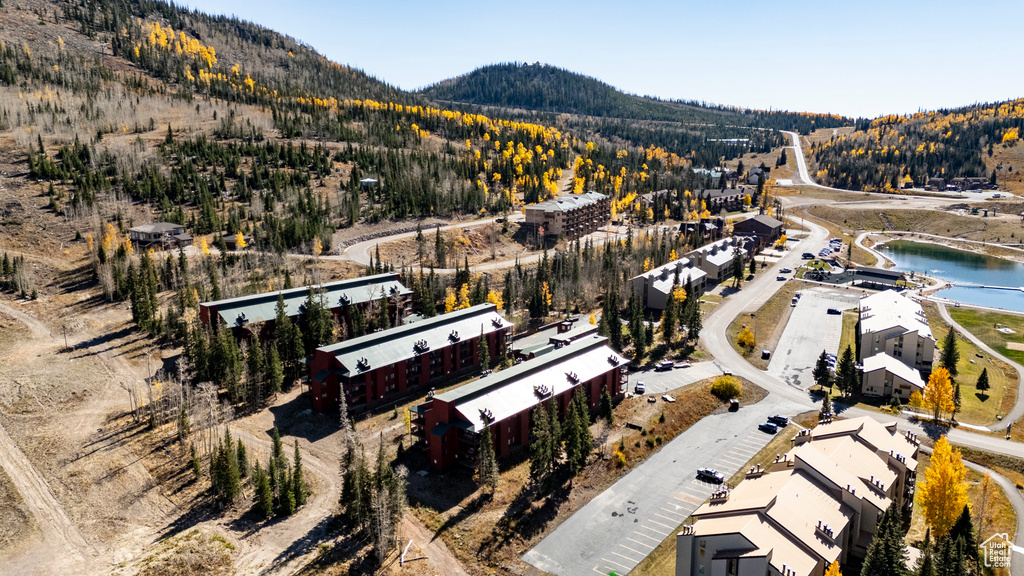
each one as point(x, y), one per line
point(818, 504)
point(896, 325)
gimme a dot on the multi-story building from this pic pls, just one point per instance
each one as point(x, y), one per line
point(245, 312)
point(383, 366)
point(885, 376)
point(896, 325)
point(570, 216)
point(449, 424)
point(715, 259)
point(816, 505)
point(654, 286)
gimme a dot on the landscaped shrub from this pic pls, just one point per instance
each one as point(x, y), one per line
point(726, 387)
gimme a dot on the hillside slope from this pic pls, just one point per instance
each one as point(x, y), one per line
point(552, 89)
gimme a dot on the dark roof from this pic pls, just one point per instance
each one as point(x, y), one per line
point(262, 307)
point(386, 347)
point(759, 222)
point(878, 273)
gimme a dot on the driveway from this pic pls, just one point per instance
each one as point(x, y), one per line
point(661, 382)
point(810, 330)
point(618, 529)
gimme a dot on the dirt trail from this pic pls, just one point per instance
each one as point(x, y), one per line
point(59, 532)
point(440, 558)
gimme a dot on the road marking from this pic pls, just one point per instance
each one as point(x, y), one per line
point(690, 499)
point(683, 516)
point(598, 571)
point(660, 524)
point(737, 459)
point(648, 537)
point(642, 554)
point(640, 543)
point(614, 562)
point(646, 527)
point(627, 557)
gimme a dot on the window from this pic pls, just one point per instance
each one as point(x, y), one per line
point(732, 568)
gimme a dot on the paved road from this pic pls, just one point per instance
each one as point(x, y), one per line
point(810, 330)
point(620, 527)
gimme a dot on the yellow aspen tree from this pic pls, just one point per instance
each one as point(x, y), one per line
point(203, 246)
point(494, 297)
point(746, 338)
point(318, 247)
point(938, 393)
point(240, 241)
point(464, 296)
point(449, 300)
point(833, 570)
point(943, 494)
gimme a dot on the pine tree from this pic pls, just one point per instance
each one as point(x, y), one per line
point(982, 385)
point(540, 446)
point(487, 469)
point(483, 356)
point(557, 433)
point(440, 251)
point(586, 439)
point(288, 338)
point(826, 407)
point(197, 466)
point(737, 268)
point(275, 372)
point(669, 318)
point(846, 373)
point(822, 374)
point(950, 353)
point(421, 243)
point(286, 499)
point(264, 499)
point(964, 528)
point(229, 482)
point(571, 436)
point(255, 371)
point(243, 460)
point(299, 489)
point(607, 410)
point(887, 554)
point(319, 322)
point(956, 399)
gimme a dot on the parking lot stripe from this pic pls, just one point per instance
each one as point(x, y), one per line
point(676, 520)
point(614, 562)
point(675, 511)
point(598, 571)
point(646, 536)
point(653, 521)
point(627, 557)
point(639, 542)
point(646, 527)
point(736, 459)
point(642, 554)
point(689, 499)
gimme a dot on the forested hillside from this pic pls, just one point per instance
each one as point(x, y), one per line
point(886, 152)
point(548, 88)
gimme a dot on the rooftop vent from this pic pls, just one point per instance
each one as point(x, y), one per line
point(542, 391)
point(496, 322)
point(363, 364)
point(345, 300)
point(613, 360)
point(241, 320)
point(573, 377)
point(486, 415)
point(420, 346)
point(454, 336)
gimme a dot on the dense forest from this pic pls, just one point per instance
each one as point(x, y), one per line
point(548, 88)
point(885, 153)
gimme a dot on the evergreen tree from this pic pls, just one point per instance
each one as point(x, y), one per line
point(822, 374)
point(197, 466)
point(299, 488)
point(288, 338)
point(737, 268)
point(487, 469)
point(846, 373)
point(982, 385)
point(571, 437)
point(586, 439)
point(286, 500)
point(956, 399)
point(243, 460)
point(887, 554)
point(275, 372)
point(319, 322)
point(614, 322)
point(540, 446)
point(421, 244)
point(483, 357)
point(383, 315)
point(636, 329)
point(264, 498)
point(670, 317)
point(255, 371)
point(963, 528)
point(950, 353)
point(557, 433)
point(607, 410)
point(826, 407)
point(440, 250)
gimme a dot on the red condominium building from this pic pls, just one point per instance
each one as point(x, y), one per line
point(449, 424)
point(384, 366)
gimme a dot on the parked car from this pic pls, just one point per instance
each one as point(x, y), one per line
point(710, 475)
point(664, 366)
point(668, 398)
point(683, 364)
point(780, 278)
point(807, 256)
point(785, 270)
point(778, 420)
point(768, 427)
point(734, 404)
point(835, 311)
point(640, 388)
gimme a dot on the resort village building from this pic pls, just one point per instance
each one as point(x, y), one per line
point(449, 424)
point(896, 325)
point(818, 504)
point(570, 216)
point(383, 366)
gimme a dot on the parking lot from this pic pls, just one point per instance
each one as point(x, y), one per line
point(618, 529)
point(809, 331)
point(661, 382)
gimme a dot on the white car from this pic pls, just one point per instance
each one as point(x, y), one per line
point(640, 388)
point(668, 398)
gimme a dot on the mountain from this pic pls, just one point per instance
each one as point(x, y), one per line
point(551, 89)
